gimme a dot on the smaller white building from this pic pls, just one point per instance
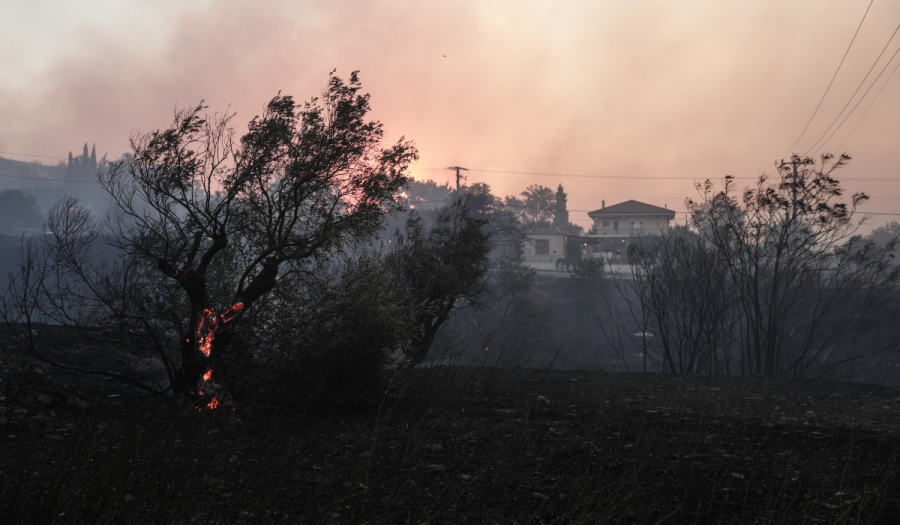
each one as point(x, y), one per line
point(545, 247)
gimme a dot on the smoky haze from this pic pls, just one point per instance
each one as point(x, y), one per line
point(627, 89)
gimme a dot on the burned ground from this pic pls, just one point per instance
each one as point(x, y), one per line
point(461, 445)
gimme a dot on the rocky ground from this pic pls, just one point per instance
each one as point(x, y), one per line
point(460, 445)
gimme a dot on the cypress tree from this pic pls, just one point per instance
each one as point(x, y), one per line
point(560, 213)
point(94, 157)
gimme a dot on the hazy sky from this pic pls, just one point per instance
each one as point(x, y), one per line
point(681, 89)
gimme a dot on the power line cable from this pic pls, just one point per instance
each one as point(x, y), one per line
point(34, 179)
point(859, 101)
point(869, 107)
point(861, 179)
point(32, 155)
point(855, 92)
point(540, 174)
point(588, 211)
point(832, 79)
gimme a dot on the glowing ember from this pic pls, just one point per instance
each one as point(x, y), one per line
point(206, 341)
point(211, 319)
point(232, 312)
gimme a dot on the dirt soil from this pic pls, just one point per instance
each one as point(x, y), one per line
point(461, 445)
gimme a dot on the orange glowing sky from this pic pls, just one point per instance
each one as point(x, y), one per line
point(680, 90)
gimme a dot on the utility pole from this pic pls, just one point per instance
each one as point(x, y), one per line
point(795, 161)
point(793, 176)
point(458, 176)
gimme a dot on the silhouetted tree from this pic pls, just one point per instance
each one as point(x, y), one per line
point(441, 268)
point(505, 231)
point(427, 194)
point(883, 235)
point(769, 280)
point(560, 213)
point(218, 222)
point(329, 331)
point(18, 212)
point(84, 166)
point(688, 303)
point(539, 204)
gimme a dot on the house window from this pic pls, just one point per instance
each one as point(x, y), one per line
point(542, 247)
point(637, 224)
point(606, 224)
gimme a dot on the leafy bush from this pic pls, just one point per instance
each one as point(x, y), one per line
point(332, 331)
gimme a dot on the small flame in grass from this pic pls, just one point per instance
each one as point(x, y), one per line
point(207, 375)
point(213, 404)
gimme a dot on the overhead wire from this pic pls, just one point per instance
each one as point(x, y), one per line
point(573, 175)
point(51, 180)
point(816, 143)
point(869, 106)
point(32, 155)
point(628, 177)
point(832, 79)
point(860, 100)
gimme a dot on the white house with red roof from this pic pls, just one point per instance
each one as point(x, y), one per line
point(630, 218)
point(614, 226)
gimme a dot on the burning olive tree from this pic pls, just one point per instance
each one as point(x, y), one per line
point(304, 181)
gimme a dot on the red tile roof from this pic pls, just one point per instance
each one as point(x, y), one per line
point(632, 207)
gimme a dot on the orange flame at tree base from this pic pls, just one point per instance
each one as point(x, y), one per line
point(209, 317)
point(227, 316)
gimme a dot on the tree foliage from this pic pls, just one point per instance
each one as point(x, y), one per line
point(18, 212)
point(441, 268)
point(539, 205)
point(772, 280)
point(330, 331)
point(560, 212)
point(210, 224)
point(504, 230)
point(884, 235)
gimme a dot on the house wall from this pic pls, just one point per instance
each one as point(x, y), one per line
point(556, 248)
point(652, 225)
